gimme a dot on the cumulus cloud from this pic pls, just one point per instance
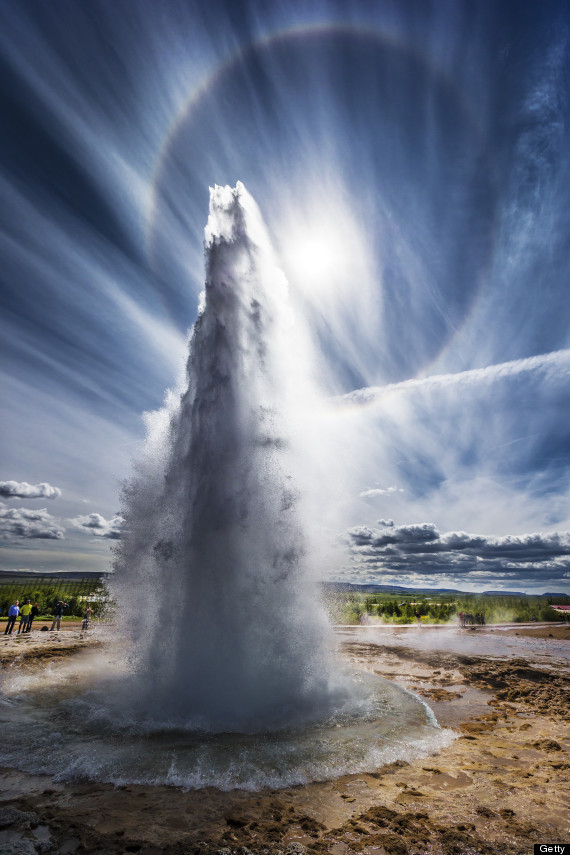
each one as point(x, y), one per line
point(97, 525)
point(422, 551)
point(23, 490)
point(23, 522)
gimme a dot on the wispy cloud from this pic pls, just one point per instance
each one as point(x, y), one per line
point(23, 490)
point(550, 364)
point(379, 491)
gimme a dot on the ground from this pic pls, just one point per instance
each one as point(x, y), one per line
point(501, 786)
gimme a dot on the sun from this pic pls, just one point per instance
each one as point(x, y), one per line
point(315, 260)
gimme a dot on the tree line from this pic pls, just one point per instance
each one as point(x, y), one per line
point(349, 607)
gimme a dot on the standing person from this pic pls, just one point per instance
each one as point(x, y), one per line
point(57, 613)
point(418, 618)
point(13, 613)
point(25, 616)
point(87, 616)
point(34, 613)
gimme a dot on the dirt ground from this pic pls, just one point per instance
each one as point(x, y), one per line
point(501, 786)
point(552, 631)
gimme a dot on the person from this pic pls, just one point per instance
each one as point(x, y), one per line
point(24, 616)
point(13, 613)
point(87, 616)
point(418, 618)
point(33, 613)
point(57, 613)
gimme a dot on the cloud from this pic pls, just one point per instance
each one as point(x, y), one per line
point(23, 490)
point(548, 365)
point(422, 551)
point(478, 451)
point(379, 491)
point(22, 522)
point(97, 525)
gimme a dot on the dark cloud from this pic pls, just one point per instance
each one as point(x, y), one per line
point(23, 490)
point(422, 551)
point(97, 525)
point(22, 522)
point(405, 535)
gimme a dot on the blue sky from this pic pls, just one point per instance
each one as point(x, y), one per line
point(412, 163)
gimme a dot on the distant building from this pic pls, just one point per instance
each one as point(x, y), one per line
point(565, 610)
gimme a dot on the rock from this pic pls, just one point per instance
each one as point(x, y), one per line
point(393, 844)
point(295, 848)
point(18, 847)
point(482, 810)
point(70, 845)
point(440, 694)
point(379, 815)
point(547, 745)
point(18, 818)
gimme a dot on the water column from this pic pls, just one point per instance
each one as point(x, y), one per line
point(216, 561)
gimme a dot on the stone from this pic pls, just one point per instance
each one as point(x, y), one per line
point(18, 818)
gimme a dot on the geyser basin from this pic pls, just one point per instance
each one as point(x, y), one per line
point(80, 736)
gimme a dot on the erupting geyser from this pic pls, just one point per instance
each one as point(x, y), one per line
point(216, 557)
point(217, 580)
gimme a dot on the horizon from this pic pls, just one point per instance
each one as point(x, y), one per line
point(103, 575)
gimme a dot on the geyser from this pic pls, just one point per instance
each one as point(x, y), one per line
point(217, 556)
point(229, 681)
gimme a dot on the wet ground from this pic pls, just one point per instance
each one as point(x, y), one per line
point(501, 786)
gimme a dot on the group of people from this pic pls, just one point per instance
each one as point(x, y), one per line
point(467, 619)
point(28, 612)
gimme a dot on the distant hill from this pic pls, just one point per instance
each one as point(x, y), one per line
point(349, 587)
point(505, 594)
point(520, 594)
point(20, 575)
point(387, 589)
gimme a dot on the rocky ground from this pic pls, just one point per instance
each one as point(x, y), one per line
point(500, 787)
